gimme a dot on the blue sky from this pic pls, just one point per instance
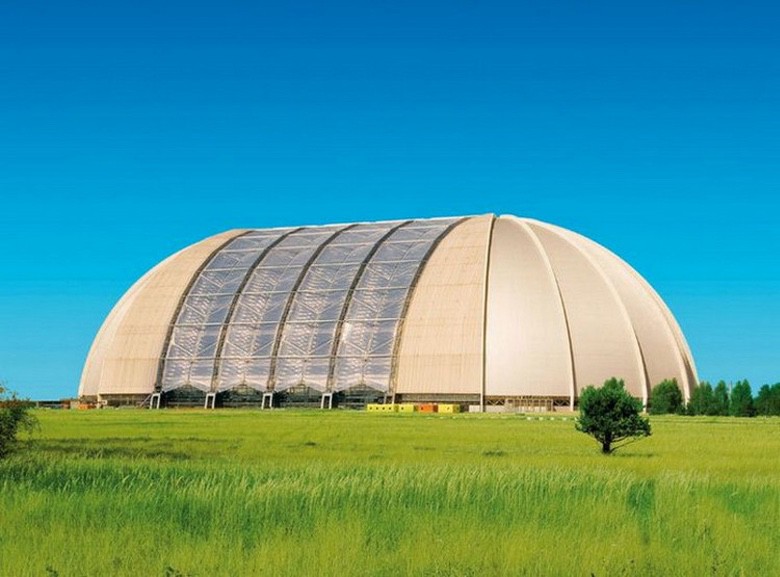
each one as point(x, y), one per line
point(130, 130)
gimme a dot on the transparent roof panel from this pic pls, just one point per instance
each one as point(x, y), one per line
point(262, 305)
point(196, 331)
point(315, 306)
point(320, 302)
point(370, 327)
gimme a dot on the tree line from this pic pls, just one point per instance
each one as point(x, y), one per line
point(612, 417)
point(737, 401)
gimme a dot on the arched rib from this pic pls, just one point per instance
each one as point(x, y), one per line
point(408, 300)
point(485, 311)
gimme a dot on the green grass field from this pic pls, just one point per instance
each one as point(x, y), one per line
point(298, 493)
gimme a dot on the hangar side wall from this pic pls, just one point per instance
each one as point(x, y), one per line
point(441, 349)
point(126, 352)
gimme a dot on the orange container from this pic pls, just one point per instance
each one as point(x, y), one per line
point(428, 408)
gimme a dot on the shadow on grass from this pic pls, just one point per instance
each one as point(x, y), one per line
point(135, 448)
point(632, 455)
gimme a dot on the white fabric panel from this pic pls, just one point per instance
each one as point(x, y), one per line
point(125, 356)
point(658, 334)
point(441, 343)
point(527, 342)
point(602, 338)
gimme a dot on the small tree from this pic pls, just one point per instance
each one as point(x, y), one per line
point(666, 397)
point(610, 415)
point(742, 400)
point(14, 415)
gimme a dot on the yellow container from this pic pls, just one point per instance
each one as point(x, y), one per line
point(379, 408)
point(449, 409)
point(407, 408)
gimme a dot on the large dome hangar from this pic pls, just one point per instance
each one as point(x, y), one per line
point(484, 311)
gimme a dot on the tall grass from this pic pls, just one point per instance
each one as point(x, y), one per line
point(309, 493)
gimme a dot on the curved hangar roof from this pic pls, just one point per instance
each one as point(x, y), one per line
point(480, 306)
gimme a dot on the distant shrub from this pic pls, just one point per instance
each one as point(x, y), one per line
point(768, 400)
point(721, 404)
point(14, 416)
point(666, 397)
point(702, 401)
point(741, 402)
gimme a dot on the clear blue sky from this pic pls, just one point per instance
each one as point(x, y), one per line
point(129, 130)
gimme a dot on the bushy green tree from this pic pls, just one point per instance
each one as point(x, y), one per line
point(14, 416)
point(702, 401)
point(611, 416)
point(741, 402)
point(720, 399)
point(768, 400)
point(666, 397)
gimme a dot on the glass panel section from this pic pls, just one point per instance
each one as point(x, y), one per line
point(192, 348)
point(175, 371)
point(254, 324)
point(355, 289)
point(183, 342)
point(200, 373)
point(193, 372)
point(364, 355)
point(307, 340)
point(234, 259)
point(289, 373)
